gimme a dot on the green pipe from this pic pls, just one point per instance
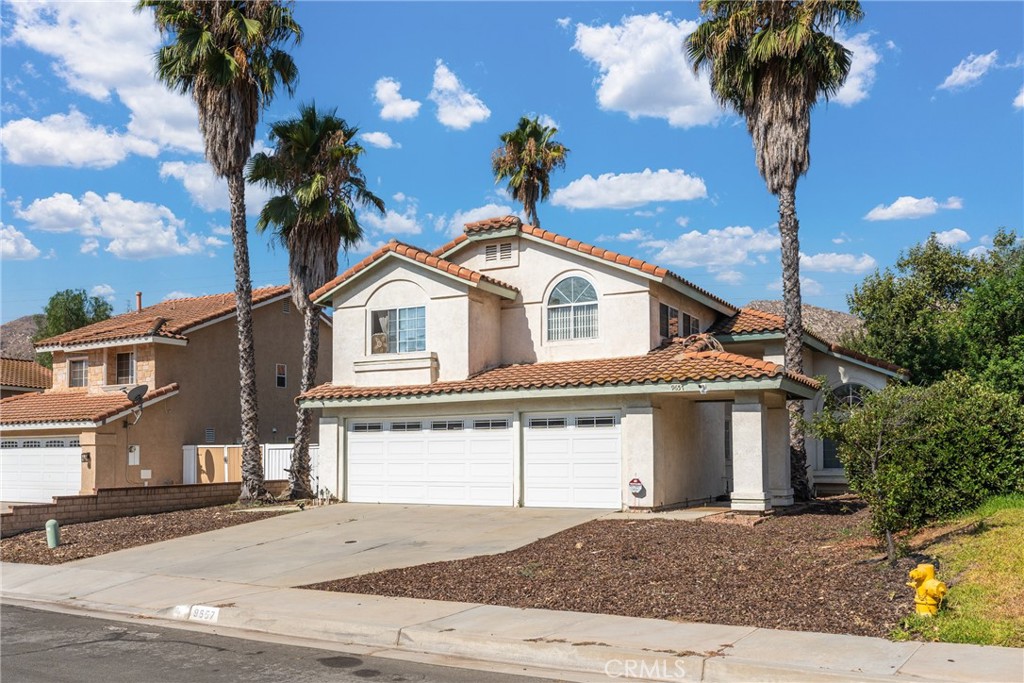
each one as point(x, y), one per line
point(52, 534)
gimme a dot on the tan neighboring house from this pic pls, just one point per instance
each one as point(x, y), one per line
point(518, 367)
point(19, 376)
point(83, 433)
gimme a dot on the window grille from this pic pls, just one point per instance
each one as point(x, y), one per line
point(599, 421)
point(406, 426)
point(490, 424)
point(547, 422)
point(78, 373)
point(572, 310)
point(447, 425)
point(367, 427)
point(125, 368)
point(399, 330)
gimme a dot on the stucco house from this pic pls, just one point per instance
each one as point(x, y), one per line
point(21, 376)
point(83, 433)
point(515, 366)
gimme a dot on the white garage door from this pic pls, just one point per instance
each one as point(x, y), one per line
point(441, 461)
point(33, 470)
point(572, 460)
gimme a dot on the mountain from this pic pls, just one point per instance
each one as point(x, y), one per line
point(16, 337)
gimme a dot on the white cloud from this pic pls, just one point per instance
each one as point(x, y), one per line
point(393, 222)
point(808, 287)
point(378, 139)
point(209, 192)
point(831, 262)
point(952, 237)
point(69, 140)
point(104, 291)
point(969, 71)
point(14, 246)
point(398, 196)
point(547, 121)
point(729, 277)
point(634, 235)
point(644, 71)
point(454, 225)
point(683, 221)
point(718, 250)
point(629, 190)
point(1018, 101)
point(564, 21)
point(862, 69)
point(132, 230)
point(177, 295)
point(221, 230)
point(457, 107)
point(911, 207)
point(90, 245)
point(394, 107)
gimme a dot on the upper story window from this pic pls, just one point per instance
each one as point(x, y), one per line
point(572, 310)
point(398, 330)
point(78, 372)
point(125, 368)
point(281, 371)
point(674, 324)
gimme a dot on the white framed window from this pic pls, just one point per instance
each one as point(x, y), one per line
point(447, 425)
point(572, 310)
point(501, 423)
point(847, 396)
point(281, 372)
point(595, 421)
point(547, 423)
point(125, 368)
point(78, 372)
point(398, 330)
point(367, 427)
point(406, 426)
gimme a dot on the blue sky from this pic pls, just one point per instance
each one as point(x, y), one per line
point(105, 187)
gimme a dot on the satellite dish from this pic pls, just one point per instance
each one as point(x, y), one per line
point(136, 394)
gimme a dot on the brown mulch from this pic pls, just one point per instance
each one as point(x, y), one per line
point(78, 541)
point(804, 571)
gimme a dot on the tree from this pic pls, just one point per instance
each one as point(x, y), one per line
point(526, 158)
point(227, 56)
point(314, 168)
point(68, 310)
point(771, 60)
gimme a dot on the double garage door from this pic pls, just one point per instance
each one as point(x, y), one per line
point(568, 460)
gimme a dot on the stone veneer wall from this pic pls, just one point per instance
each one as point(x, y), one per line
point(123, 502)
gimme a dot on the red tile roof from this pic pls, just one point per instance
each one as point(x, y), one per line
point(416, 254)
point(512, 222)
point(168, 319)
point(663, 365)
point(70, 406)
point(18, 372)
point(752, 321)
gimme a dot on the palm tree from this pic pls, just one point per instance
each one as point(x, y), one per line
point(526, 158)
point(315, 170)
point(771, 60)
point(226, 54)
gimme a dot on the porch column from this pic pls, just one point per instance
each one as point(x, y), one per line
point(638, 455)
point(750, 451)
point(777, 428)
point(330, 461)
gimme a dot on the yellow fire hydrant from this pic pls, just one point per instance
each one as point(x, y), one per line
point(930, 591)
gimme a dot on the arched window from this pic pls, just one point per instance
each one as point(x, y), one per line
point(847, 396)
point(572, 310)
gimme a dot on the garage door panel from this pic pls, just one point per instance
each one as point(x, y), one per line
point(570, 465)
point(547, 470)
point(591, 471)
point(405, 470)
point(402, 447)
point(501, 471)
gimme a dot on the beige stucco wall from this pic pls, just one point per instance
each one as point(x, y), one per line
point(689, 451)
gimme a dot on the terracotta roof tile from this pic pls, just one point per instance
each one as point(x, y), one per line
point(169, 319)
point(415, 253)
point(18, 372)
point(70, 406)
point(665, 364)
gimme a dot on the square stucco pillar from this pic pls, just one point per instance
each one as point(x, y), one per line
point(330, 462)
point(750, 451)
point(638, 454)
point(777, 429)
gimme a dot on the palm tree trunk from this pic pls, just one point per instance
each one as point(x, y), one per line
point(788, 229)
point(252, 461)
point(299, 472)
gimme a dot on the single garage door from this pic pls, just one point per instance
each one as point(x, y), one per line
point(34, 470)
point(440, 461)
point(572, 460)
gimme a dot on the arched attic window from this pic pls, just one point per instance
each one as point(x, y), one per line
point(847, 396)
point(572, 310)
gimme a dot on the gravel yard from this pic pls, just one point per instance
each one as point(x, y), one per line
point(814, 570)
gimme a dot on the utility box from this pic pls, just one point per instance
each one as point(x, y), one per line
point(133, 454)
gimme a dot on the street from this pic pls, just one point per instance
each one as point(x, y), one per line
point(51, 647)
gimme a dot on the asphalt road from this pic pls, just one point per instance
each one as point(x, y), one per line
point(51, 647)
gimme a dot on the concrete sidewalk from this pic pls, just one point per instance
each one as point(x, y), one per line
point(586, 647)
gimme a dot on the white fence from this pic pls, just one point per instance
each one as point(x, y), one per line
point(276, 461)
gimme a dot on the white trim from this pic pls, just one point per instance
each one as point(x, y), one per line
point(43, 426)
point(813, 344)
point(124, 341)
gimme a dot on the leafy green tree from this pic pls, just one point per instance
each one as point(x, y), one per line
point(314, 168)
point(771, 61)
point(526, 158)
point(228, 56)
point(68, 310)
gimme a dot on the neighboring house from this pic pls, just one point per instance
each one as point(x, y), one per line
point(514, 366)
point(84, 433)
point(20, 376)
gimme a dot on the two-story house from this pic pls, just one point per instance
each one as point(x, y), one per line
point(83, 433)
point(514, 366)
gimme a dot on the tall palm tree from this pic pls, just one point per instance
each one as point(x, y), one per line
point(314, 168)
point(227, 55)
point(526, 158)
point(771, 60)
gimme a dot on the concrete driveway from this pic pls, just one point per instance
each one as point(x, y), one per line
point(347, 539)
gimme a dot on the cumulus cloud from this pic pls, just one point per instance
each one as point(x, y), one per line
point(90, 245)
point(454, 225)
point(911, 207)
point(1018, 101)
point(104, 291)
point(952, 237)
point(14, 246)
point(717, 250)
point(209, 192)
point(808, 287)
point(729, 277)
point(131, 230)
point(862, 69)
point(644, 72)
point(404, 222)
point(969, 71)
point(69, 140)
point(379, 139)
point(457, 107)
point(394, 107)
point(629, 190)
point(832, 262)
